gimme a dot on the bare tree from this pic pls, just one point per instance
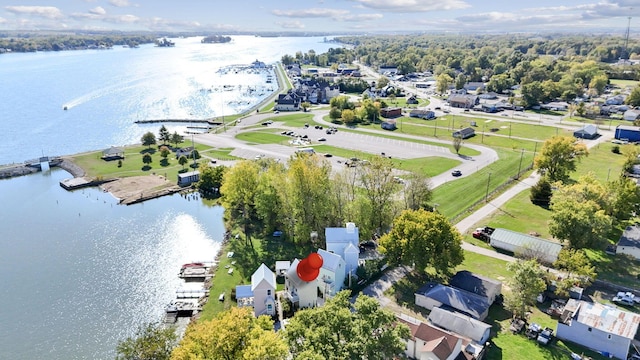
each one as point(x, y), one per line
point(457, 143)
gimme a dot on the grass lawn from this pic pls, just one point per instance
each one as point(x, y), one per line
point(455, 197)
point(625, 83)
point(132, 165)
point(220, 154)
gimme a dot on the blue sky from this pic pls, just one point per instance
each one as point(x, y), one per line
point(322, 15)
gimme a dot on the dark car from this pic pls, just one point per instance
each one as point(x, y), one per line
point(456, 172)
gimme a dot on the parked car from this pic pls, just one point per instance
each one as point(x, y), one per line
point(483, 233)
point(328, 155)
point(456, 172)
point(277, 233)
point(322, 139)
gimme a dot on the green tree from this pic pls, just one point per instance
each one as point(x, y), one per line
point(210, 180)
point(460, 81)
point(625, 198)
point(148, 139)
point(305, 105)
point(382, 82)
point(417, 192)
point(348, 116)
point(341, 102)
point(239, 187)
point(341, 330)
point(146, 159)
point(599, 82)
point(634, 98)
point(164, 152)
point(335, 113)
point(578, 214)
point(442, 83)
point(525, 285)
point(183, 161)
point(233, 334)
point(152, 341)
point(176, 138)
point(379, 189)
point(425, 239)
point(456, 142)
point(559, 156)
point(577, 267)
point(532, 93)
point(581, 109)
point(165, 136)
point(541, 192)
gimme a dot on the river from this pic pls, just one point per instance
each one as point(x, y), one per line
point(80, 272)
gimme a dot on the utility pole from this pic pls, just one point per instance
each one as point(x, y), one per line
point(626, 37)
point(520, 165)
point(486, 196)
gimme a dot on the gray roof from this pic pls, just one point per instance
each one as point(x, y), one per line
point(523, 240)
point(330, 261)
point(476, 284)
point(263, 273)
point(589, 129)
point(628, 127)
point(463, 301)
point(630, 237)
point(243, 291)
point(459, 323)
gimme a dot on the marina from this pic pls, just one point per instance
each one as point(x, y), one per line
point(193, 292)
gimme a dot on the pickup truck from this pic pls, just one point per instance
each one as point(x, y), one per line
point(483, 233)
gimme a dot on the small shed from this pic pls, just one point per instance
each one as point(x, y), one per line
point(422, 114)
point(464, 133)
point(388, 125)
point(626, 132)
point(186, 179)
point(631, 115)
point(525, 245)
point(391, 112)
point(589, 131)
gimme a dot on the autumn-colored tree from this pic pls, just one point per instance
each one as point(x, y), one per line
point(151, 342)
point(233, 334)
point(238, 190)
point(424, 239)
point(559, 156)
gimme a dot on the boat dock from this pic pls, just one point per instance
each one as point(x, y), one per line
point(195, 121)
point(193, 293)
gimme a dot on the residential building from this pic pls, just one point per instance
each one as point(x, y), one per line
point(522, 244)
point(428, 342)
point(477, 284)
point(422, 114)
point(629, 242)
point(303, 294)
point(332, 274)
point(344, 241)
point(473, 86)
point(391, 112)
point(433, 295)
point(287, 102)
point(463, 101)
point(260, 294)
point(631, 115)
point(461, 324)
point(589, 131)
point(615, 100)
point(603, 328)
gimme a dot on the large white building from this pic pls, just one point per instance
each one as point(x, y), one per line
point(344, 242)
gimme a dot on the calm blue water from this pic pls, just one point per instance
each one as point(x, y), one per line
point(78, 272)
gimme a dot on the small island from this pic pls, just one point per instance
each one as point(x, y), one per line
point(216, 39)
point(165, 43)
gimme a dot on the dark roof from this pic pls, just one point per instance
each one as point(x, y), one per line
point(467, 303)
point(476, 284)
point(587, 130)
point(113, 151)
point(630, 237)
point(459, 323)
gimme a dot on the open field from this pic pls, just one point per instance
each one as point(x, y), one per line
point(624, 83)
point(453, 198)
point(263, 137)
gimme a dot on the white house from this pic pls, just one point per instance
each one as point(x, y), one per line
point(430, 343)
point(332, 273)
point(629, 242)
point(344, 242)
point(263, 286)
point(303, 294)
point(599, 327)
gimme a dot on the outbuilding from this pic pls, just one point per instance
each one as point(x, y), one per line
point(391, 112)
point(589, 131)
point(464, 133)
point(629, 242)
point(628, 133)
point(525, 245)
point(186, 179)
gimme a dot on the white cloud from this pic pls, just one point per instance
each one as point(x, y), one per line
point(290, 24)
point(122, 19)
point(98, 11)
point(3, 20)
point(49, 12)
point(310, 13)
point(120, 3)
point(360, 17)
point(413, 6)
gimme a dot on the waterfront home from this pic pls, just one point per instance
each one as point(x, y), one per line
point(603, 328)
point(344, 242)
point(260, 294)
point(302, 294)
point(332, 274)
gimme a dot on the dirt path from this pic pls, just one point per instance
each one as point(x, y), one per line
point(136, 188)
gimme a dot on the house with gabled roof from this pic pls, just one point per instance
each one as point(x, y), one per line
point(629, 242)
point(477, 284)
point(260, 294)
point(332, 273)
point(344, 241)
point(433, 295)
point(303, 294)
point(603, 328)
point(287, 102)
point(457, 323)
point(427, 342)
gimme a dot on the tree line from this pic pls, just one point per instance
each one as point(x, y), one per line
point(30, 41)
